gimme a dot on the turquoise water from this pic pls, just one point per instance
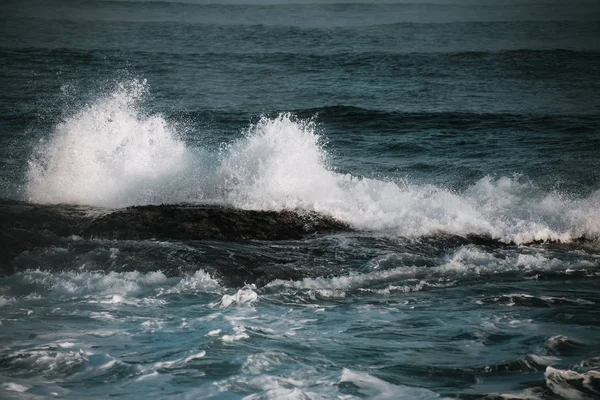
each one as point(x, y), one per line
point(460, 141)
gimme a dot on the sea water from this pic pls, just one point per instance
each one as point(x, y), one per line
point(459, 140)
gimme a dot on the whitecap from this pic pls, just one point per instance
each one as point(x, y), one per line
point(15, 387)
point(573, 385)
point(239, 333)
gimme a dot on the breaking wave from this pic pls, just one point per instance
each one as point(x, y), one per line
point(112, 153)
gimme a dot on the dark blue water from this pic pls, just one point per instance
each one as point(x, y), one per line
point(460, 141)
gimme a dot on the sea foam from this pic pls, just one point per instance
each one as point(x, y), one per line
point(112, 153)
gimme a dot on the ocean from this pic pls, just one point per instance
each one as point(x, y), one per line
point(278, 199)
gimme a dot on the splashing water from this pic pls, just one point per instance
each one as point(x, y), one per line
point(110, 153)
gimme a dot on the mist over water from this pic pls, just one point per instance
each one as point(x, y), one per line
point(457, 142)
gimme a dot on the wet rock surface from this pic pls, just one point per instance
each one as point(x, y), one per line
point(25, 226)
point(192, 222)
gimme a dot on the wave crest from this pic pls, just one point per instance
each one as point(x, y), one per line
point(110, 153)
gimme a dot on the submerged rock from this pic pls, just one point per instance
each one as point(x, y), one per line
point(24, 226)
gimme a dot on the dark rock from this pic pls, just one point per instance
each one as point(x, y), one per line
point(194, 222)
point(25, 226)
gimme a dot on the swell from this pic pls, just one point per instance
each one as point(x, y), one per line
point(330, 59)
point(306, 3)
point(459, 120)
point(348, 116)
point(277, 56)
point(352, 118)
point(213, 17)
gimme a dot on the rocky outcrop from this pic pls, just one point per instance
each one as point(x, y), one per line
point(196, 222)
point(24, 226)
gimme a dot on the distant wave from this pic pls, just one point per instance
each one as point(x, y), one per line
point(496, 23)
point(351, 114)
point(297, 3)
point(313, 3)
point(520, 63)
point(344, 57)
point(351, 118)
point(267, 26)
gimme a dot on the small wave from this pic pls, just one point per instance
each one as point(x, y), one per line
point(59, 364)
point(561, 345)
point(180, 362)
point(366, 385)
point(15, 387)
point(48, 363)
point(104, 285)
point(133, 288)
point(5, 301)
point(264, 362)
point(389, 274)
point(572, 385)
point(239, 333)
point(528, 363)
point(396, 121)
point(527, 300)
point(315, 384)
point(199, 282)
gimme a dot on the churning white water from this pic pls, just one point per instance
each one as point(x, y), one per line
point(113, 153)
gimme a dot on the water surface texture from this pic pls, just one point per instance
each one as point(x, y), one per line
point(306, 200)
